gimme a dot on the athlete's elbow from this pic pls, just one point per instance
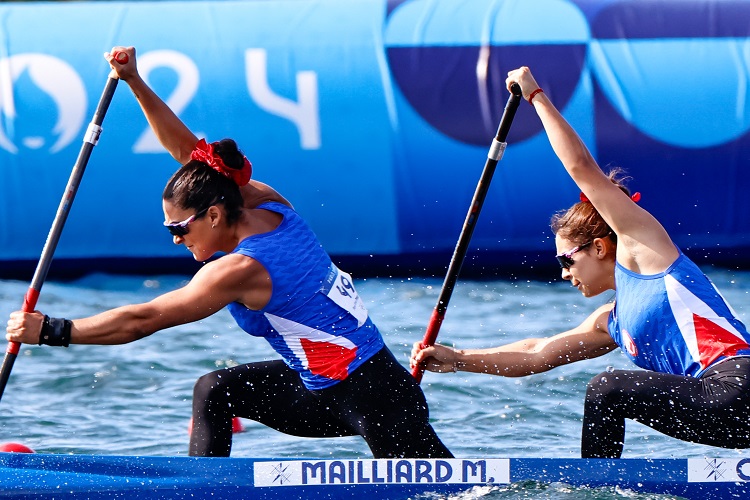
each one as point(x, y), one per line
point(580, 163)
point(515, 370)
point(137, 327)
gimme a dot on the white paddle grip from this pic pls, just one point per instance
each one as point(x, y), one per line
point(92, 133)
point(496, 150)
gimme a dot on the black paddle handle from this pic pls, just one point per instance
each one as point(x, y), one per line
point(497, 149)
point(40, 274)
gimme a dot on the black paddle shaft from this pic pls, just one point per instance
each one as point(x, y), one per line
point(493, 157)
point(40, 274)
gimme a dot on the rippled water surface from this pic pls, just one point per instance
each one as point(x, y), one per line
point(135, 399)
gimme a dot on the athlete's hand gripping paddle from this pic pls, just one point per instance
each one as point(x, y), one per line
point(493, 157)
point(40, 274)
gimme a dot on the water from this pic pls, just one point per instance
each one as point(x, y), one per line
point(135, 399)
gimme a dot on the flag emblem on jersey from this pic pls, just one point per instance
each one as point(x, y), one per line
point(320, 352)
point(707, 334)
point(327, 359)
point(629, 343)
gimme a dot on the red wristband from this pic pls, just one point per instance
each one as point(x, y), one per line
point(533, 94)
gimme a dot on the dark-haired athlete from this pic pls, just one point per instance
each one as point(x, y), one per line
point(667, 317)
point(337, 377)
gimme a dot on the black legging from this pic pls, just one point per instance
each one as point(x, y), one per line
point(380, 401)
point(713, 409)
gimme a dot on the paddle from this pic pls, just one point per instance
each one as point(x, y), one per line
point(40, 274)
point(493, 157)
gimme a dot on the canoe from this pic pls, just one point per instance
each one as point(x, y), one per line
point(42, 476)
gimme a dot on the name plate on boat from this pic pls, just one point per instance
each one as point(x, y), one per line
point(726, 470)
point(382, 471)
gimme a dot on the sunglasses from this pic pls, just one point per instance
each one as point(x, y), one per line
point(181, 228)
point(566, 258)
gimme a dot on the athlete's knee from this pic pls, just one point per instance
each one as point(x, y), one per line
point(604, 391)
point(604, 384)
point(209, 387)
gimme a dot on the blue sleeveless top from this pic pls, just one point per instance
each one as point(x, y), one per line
point(676, 321)
point(315, 320)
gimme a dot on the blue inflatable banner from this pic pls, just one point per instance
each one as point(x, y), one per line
point(374, 118)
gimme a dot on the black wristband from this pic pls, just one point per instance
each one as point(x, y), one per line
point(55, 331)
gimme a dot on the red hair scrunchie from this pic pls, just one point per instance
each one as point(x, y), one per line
point(636, 197)
point(204, 152)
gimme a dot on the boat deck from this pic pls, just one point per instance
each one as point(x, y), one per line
point(42, 476)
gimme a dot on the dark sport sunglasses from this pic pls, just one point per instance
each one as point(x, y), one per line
point(566, 258)
point(181, 228)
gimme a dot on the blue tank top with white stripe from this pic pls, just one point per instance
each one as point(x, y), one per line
point(315, 319)
point(676, 321)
